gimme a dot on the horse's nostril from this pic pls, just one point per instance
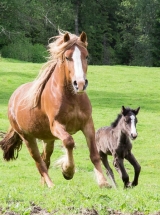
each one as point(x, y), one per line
point(75, 83)
point(86, 84)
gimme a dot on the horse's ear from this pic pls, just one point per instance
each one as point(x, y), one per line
point(66, 37)
point(123, 111)
point(136, 110)
point(83, 37)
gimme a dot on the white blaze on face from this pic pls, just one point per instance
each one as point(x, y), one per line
point(78, 64)
point(133, 128)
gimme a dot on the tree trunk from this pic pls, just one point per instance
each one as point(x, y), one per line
point(76, 17)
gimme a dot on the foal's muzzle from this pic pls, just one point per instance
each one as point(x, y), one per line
point(80, 86)
point(134, 136)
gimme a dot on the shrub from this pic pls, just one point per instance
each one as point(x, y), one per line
point(24, 50)
point(39, 53)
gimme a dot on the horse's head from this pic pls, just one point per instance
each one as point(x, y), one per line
point(76, 64)
point(130, 121)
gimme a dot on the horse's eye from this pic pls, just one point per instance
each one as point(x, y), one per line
point(68, 59)
point(86, 57)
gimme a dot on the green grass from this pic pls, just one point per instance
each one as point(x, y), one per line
point(109, 88)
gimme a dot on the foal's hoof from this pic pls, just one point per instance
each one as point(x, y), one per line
point(129, 185)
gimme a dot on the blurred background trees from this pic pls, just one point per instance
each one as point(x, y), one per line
point(119, 31)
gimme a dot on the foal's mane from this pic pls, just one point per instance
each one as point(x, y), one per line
point(115, 123)
point(56, 50)
point(119, 116)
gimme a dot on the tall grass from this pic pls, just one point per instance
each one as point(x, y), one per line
point(109, 88)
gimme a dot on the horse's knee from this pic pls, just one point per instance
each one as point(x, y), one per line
point(95, 158)
point(69, 142)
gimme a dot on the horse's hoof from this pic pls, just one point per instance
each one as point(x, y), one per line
point(67, 177)
point(129, 185)
point(105, 185)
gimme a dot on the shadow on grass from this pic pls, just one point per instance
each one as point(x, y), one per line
point(104, 99)
point(19, 74)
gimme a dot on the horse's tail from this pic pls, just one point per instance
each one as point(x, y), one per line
point(11, 145)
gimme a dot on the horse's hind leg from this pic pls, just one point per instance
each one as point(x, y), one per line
point(41, 166)
point(108, 168)
point(137, 168)
point(48, 147)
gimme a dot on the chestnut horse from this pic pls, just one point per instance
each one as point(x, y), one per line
point(54, 106)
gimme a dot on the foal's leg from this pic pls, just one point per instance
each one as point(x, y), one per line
point(109, 171)
point(89, 133)
point(118, 163)
point(137, 168)
point(41, 166)
point(48, 147)
point(67, 162)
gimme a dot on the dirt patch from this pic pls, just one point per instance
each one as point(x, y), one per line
point(37, 210)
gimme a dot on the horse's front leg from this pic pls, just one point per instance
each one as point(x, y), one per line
point(89, 133)
point(119, 166)
point(67, 161)
point(137, 168)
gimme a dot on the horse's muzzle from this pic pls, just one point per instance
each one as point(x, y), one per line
point(134, 136)
point(80, 86)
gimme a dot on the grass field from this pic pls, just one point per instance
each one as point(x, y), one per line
point(109, 88)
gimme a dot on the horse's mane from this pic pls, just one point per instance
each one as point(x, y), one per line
point(115, 123)
point(56, 50)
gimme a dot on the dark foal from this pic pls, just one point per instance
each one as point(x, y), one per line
point(115, 141)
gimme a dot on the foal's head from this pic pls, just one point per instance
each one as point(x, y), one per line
point(129, 121)
point(75, 59)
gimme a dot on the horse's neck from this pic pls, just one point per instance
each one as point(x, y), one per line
point(120, 135)
point(58, 77)
point(60, 80)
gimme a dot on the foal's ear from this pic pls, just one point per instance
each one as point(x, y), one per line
point(83, 37)
point(66, 37)
point(136, 110)
point(123, 111)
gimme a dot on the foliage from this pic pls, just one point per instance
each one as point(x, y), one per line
point(25, 51)
point(109, 88)
point(119, 31)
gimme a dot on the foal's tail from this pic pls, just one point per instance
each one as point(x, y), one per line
point(11, 145)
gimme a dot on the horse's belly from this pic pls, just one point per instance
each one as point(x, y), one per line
point(34, 125)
